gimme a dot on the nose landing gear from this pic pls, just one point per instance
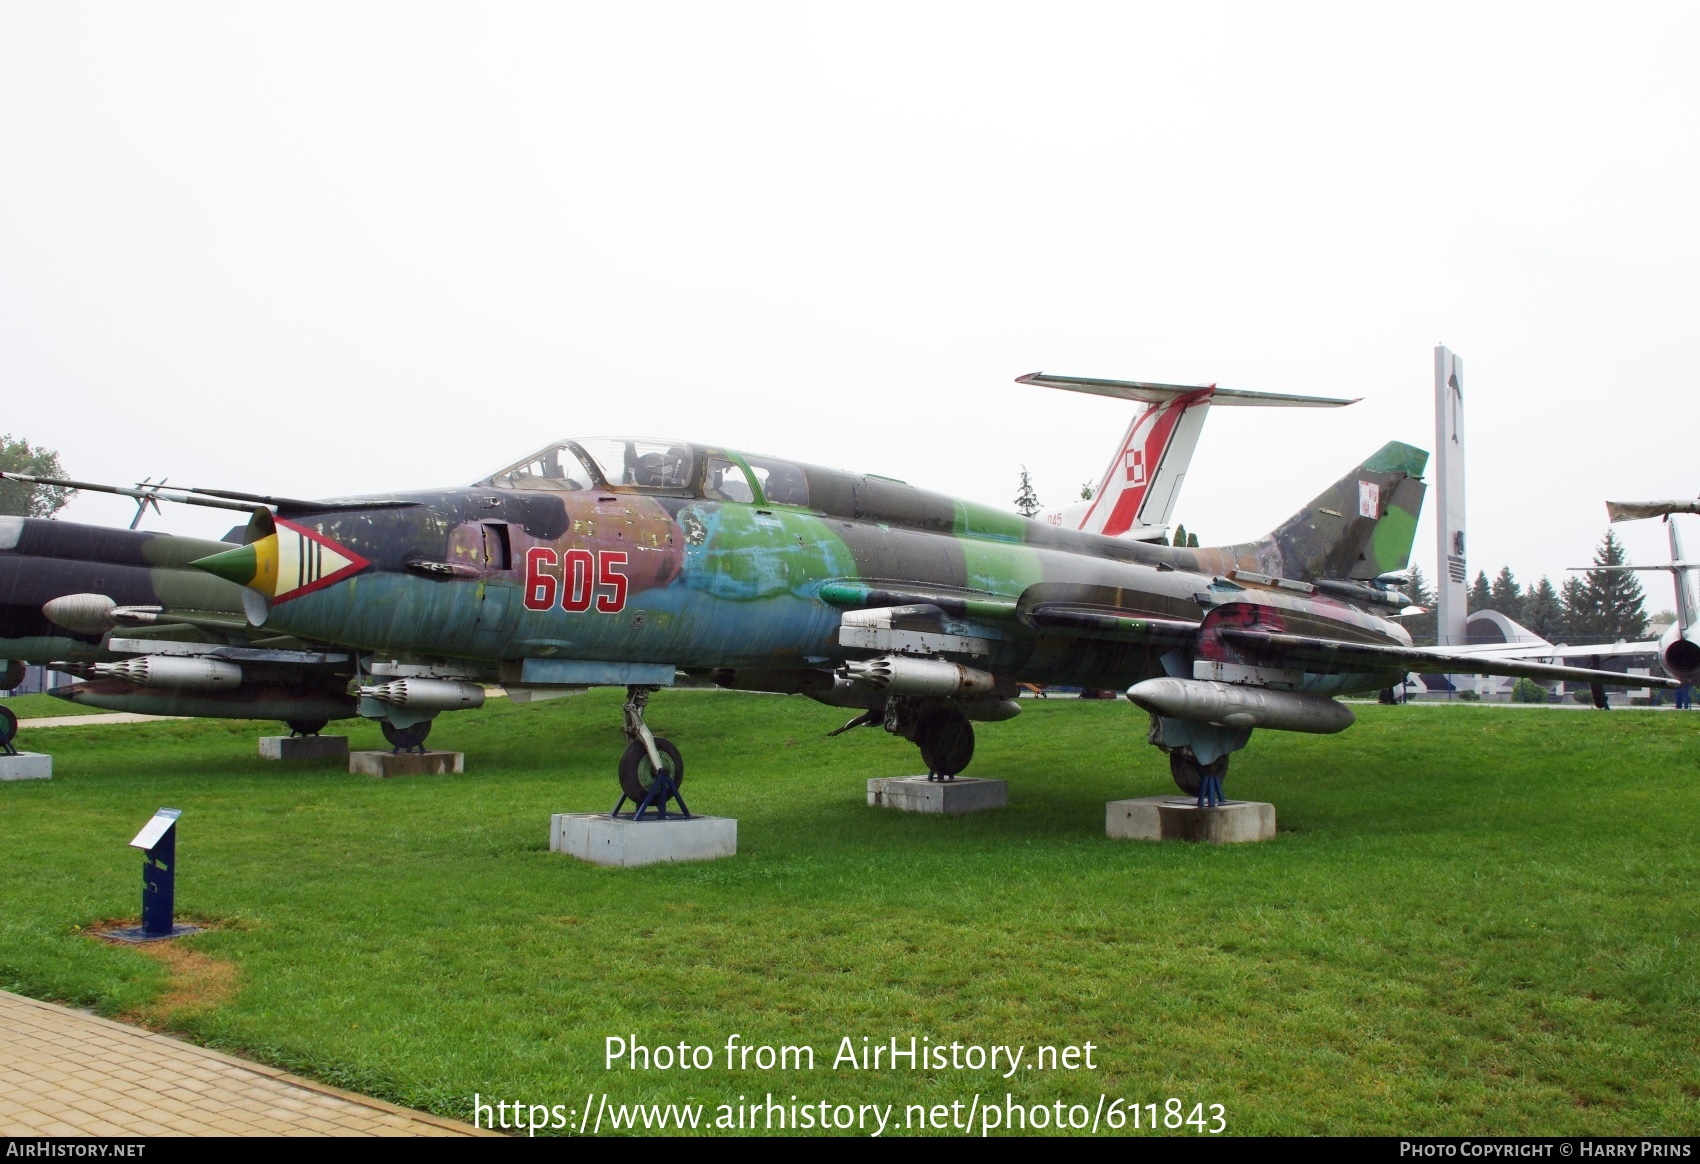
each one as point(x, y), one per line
point(651, 768)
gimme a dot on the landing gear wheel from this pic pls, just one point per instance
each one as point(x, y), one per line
point(1189, 774)
point(637, 772)
point(405, 738)
point(309, 727)
point(946, 739)
point(8, 729)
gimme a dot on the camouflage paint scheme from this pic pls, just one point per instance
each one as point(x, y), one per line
point(703, 584)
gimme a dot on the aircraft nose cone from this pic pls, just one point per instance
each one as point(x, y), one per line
point(249, 566)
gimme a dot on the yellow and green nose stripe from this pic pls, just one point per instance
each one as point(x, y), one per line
point(286, 564)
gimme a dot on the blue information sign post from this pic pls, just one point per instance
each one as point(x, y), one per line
point(158, 843)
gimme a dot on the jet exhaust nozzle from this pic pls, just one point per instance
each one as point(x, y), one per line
point(900, 675)
point(171, 671)
point(1680, 655)
point(426, 694)
point(85, 614)
point(1235, 706)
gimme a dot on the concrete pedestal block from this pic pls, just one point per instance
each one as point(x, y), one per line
point(303, 747)
point(1178, 818)
point(605, 840)
point(951, 797)
point(387, 764)
point(26, 766)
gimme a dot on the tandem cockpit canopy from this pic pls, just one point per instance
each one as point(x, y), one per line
point(621, 463)
point(598, 462)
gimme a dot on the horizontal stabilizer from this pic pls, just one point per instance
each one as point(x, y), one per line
point(1150, 393)
point(1633, 510)
point(1330, 655)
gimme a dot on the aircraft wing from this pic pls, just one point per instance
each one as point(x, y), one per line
point(1151, 393)
point(1121, 625)
point(1082, 619)
point(1319, 654)
point(1545, 652)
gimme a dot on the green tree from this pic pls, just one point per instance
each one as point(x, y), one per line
point(1421, 626)
point(1192, 541)
point(1579, 622)
point(1086, 491)
point(1481, 598)
point(1615, 595)
point(1543, 611)
point(1506, 595)
point(1026, 500)
point(1180, 536)
point(19, 499)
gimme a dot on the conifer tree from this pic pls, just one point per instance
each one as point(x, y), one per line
point(1543, 612)
point(1615, 595)
point(1180, 536)
point(1481, 598)
point(1086, 491)
point(1579, 622)
point(1506, 595)
point(1192, 541)
point(1026, 500)
point(1421, 626)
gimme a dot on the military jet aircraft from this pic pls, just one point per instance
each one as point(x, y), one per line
point(623, 561)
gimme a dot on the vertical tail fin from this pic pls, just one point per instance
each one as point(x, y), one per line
point(1360, 527)
point(1685, 615)
point(1144, 477)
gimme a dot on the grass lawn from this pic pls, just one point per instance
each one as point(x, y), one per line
point(45, 706)
point(1473, 920)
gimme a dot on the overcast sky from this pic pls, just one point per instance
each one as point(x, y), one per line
point(317, 249)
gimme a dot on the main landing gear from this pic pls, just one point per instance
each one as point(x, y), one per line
point(944, 735)
point(404, 739)
point(1189, 773)
point(651, 768)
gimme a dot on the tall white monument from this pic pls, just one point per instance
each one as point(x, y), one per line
point(1451, 583)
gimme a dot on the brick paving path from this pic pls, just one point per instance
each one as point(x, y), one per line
point(66, 1073)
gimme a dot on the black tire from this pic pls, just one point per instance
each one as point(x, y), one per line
point(12, 676)
point(412, 736)
point(636, 771)
point(946, 739)
point(307, 727)
point(1189, 774)
point(8, 725)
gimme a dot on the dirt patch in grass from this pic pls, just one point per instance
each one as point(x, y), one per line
point(198, 981)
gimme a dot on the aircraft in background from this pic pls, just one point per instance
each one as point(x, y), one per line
point(1136, 496)
point(1679, 646)
point(1677, 649)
